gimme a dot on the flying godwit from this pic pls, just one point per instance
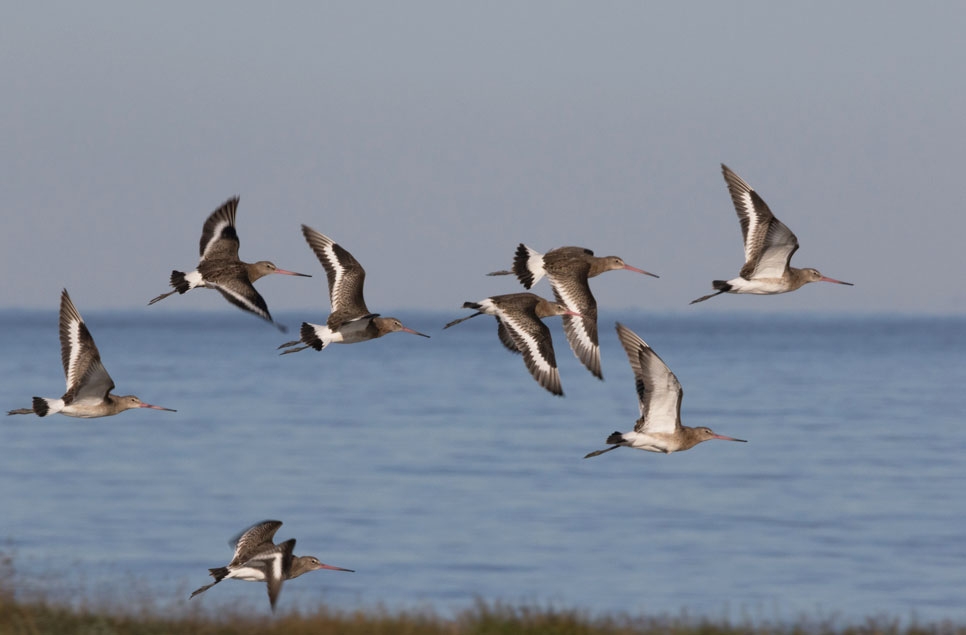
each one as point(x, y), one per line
point(258, 559)
point(567, 269)
point(521, 331)
point(349, 321)
point(88, 384)
point(659, 394)
point(769, 246)
point(220, 268)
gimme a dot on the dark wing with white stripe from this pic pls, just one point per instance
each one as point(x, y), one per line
point(86, 376)
point(769, 244)
point(532, 338)
point(253, 541)
point(346, 276)
point(659, 393)
point(571, 289)
point(508, 341)
point(219, 240)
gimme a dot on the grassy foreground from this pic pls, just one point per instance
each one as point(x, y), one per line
point(41, 618)
point(20, 615)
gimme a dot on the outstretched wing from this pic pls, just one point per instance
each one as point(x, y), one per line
point(346, 276)
point(769, 244)
point(254, 540)
point(532, 338)
point(219, 240)
point(86, 376)
point(571, 289)
point(506, 338)
point(659, 393)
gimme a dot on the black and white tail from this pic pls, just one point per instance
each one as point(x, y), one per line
point(616, 437)
point(528, 266)
point(311, 337)
point(40, 406)
point(179, 282)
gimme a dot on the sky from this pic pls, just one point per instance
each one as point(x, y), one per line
point(430, 138)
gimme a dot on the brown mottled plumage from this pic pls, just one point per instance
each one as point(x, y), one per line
point(89, 385)
point(349, 320)
point(568, 269)
point(222, 270)
point(769, 246)
point(659, 396)
point(258, 559)
point(521, 331)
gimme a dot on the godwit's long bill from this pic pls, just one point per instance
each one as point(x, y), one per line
point(521, 331)
point(769, 246)
point(258, 559)
point(350, 321)
point(659, 395)
point(89, 385)
point(567, 269)
point(222, 270)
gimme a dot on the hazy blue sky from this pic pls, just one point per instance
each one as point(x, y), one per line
point(430, 138)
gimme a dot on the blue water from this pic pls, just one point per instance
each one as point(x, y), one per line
point(442, 473)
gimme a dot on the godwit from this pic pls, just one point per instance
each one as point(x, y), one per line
point(88, 384)
point(769, 246)
point(521, 331)
point(220, 268)
point(258, 559)
point(567, 269)
point(659, 394)
point(349, 321)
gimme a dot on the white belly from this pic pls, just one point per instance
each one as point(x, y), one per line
point(648, 442)
point(250, 574)
point(758, 286)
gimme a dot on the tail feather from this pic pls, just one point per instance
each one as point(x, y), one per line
point(179, 282)
point(616, 437)
point(41, 407)
point(527, 274)
point(311, 337)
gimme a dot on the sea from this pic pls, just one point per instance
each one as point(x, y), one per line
point(444, 475)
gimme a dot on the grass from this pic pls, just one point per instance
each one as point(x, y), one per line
point(43, 616)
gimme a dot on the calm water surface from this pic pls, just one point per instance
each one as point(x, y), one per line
point(442, 473)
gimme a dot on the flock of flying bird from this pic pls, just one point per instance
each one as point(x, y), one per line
point(769, 246)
